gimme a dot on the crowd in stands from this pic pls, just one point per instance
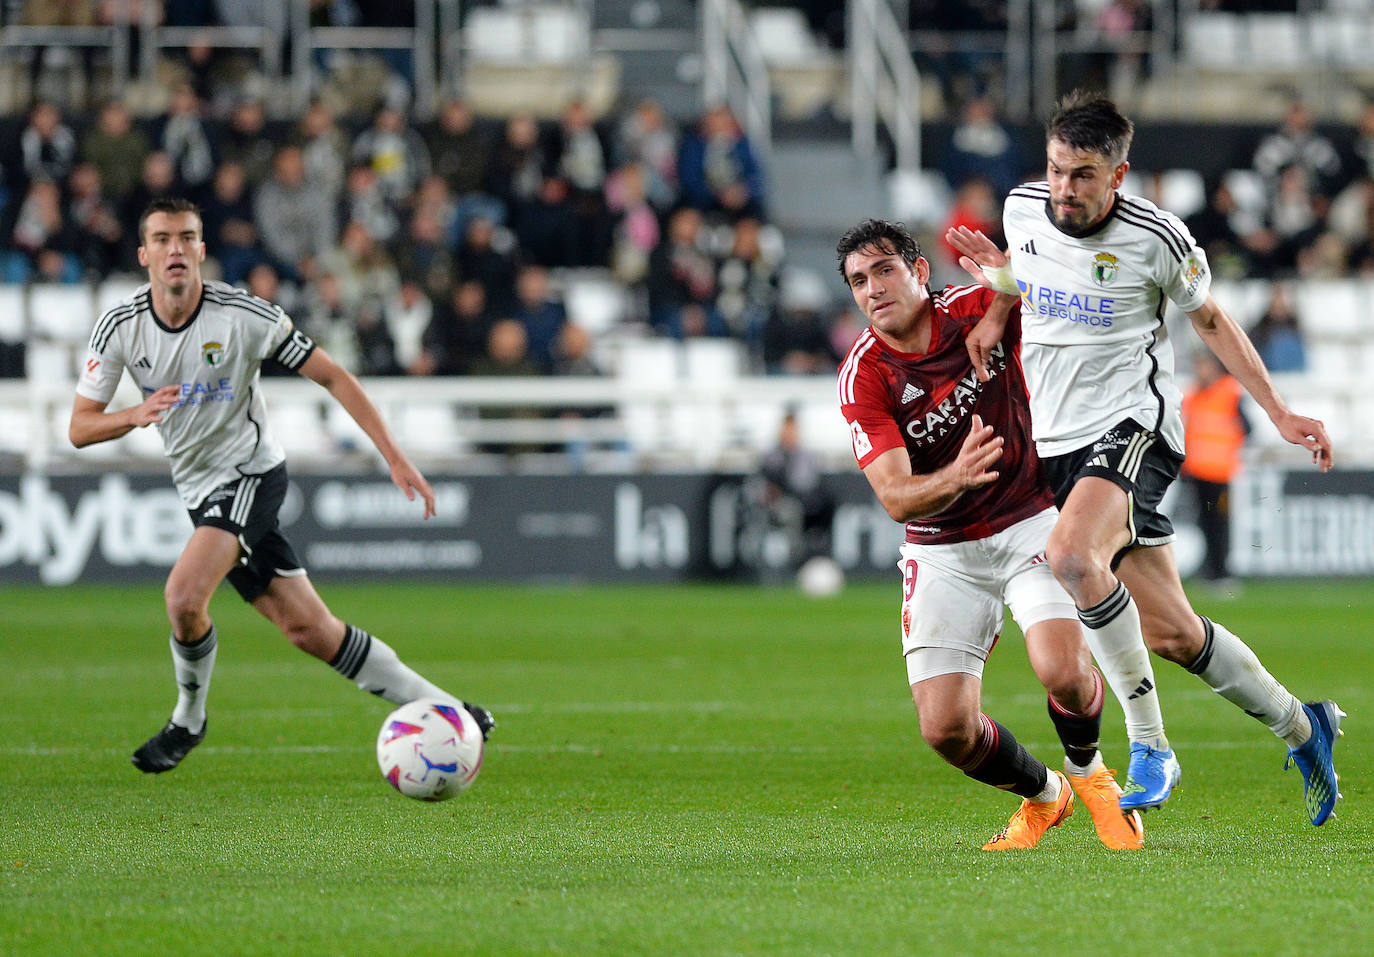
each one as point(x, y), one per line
point(423, 248)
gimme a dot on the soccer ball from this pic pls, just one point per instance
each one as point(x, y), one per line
point(430, 749)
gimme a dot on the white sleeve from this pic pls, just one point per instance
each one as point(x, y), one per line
point(101, 369)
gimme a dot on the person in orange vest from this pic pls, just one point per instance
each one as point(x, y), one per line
point(1214, 431)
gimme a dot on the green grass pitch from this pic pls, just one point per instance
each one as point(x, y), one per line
point(678, 770)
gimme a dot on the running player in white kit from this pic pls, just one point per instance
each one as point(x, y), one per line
point(1093, 269)
point(195, 347)
point(952, 458)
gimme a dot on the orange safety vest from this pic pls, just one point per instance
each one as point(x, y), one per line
point(1213, 431)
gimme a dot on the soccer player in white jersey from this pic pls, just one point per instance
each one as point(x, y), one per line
point(952, 458)
point(194, 347)
point(1093, 268)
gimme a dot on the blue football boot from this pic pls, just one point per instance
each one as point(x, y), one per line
point(1150, 778)
point(1321, 784)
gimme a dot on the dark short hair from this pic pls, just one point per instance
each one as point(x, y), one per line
point(1091, 123)
point(881, 235)
point(167, 204)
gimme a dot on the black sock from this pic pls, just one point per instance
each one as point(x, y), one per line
point(1079, 733)
point(999, 760)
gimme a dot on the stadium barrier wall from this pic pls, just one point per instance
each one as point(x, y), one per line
point(597, 528)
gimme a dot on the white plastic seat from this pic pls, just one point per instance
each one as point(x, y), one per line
point(429, 428)
point(13, 320)
point(1216, 40)
point(114, 291)
point(1182, 192)
point(594, 304)
point(712, 361)
point(920, 197)
point(783, 36)
point(299, 426)
point(558, 34)
point(1333, 308)
point(49, 362)
point(60, 312)
point(649, 361)
point(1279, 38)
point(495, 35)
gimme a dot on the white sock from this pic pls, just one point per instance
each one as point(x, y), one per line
point(1234, 672)
point(373, 666)
point(193, 665)
point(1050, 793)
point(1082, 772)
point(1112, 631)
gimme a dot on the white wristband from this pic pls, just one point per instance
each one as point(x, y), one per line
point(1001, 279)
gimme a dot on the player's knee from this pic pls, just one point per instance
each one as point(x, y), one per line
point(1072, 565)
point(308, 636)
point(186, 607)
point(950, 736)
point(1177, 640)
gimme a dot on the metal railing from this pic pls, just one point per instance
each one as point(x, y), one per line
point(884, 83)
point(734, 71)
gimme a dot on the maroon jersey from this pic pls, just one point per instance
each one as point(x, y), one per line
point(925, 403)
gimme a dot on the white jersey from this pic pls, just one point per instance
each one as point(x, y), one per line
point(218, 431)
point(1094, 345)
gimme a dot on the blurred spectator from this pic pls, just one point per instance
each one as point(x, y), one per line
point(682, 279)
point(507, 354)
point(294, 216)
point(376, 353)
point(647, 136)
point(1123, 26)
point(248, 141)
point(518, 166)
point(977, 207)
point(572, 353)
point(47, 147)
point(423, 256)
point(458, 148)
point(328, 319)
point(116, 148)
point(540, 312)
point(796, 341)
point(1325, 257)
point(547, 228)
point(458, 333)
point(40, 224)
point(747, 280)
point(158, 179)
point(635, 229)
point(58, 13)
point(408, 315)
point(364, 202)
point(1277, 335)
point(718, 169)
point(1216, 228)
point(231, 233)
point(1296, 216)
point(487, 254)
point(793, 492)
point(1297, 144)
point(582, 163)
point(396, 153)
point(980, 145)
point(324, 148)
point(97, 231)
point(185, 138)
point(1362, 160)
point(366, 275)
point(1214, 434)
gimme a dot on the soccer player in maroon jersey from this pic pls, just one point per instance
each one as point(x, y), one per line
point(952, 458)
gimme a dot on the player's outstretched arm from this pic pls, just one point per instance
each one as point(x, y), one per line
point(1224, 336)
point(91, 423)
point(348, 392)
point(908, 496)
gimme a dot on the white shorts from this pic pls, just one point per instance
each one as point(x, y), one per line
point(953, 596)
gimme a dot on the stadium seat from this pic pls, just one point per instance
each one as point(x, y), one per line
point(1334, 308)
point(1279, 39)
point(50, 362)
point(61, 313)
point(1182, 192)
point(783, 36)
point(1216, 40)
point(649, 360)
point(919, 198)
point(13, 319)
point(298, 426)
point(712, 361)
point(429, 428)
point(495, 35)
point(558, 34)
point(594, 303)
point(115, 290)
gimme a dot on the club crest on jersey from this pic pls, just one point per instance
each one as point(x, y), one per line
point(213, 353)
point(1104, 268)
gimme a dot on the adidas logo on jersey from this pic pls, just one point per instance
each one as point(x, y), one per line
point(911, 392)
point(213, 512)
point(143, 363)
point(1029, 247)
